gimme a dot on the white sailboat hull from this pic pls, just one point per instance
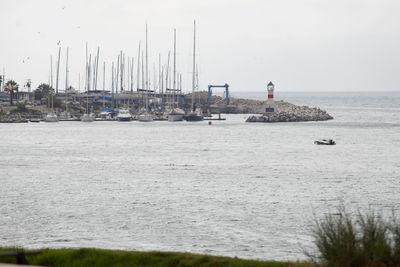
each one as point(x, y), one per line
point(87, 118)
point(176, 114)
point(175, 117)
point(51, 118)
point(145, 117)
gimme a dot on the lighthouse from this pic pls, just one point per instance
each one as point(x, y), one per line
point(270, 88)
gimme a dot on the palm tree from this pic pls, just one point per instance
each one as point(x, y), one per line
point(12, 87)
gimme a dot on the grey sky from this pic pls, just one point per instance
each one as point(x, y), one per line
point(301, 45)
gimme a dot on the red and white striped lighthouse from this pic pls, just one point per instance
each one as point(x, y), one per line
point(270, 88)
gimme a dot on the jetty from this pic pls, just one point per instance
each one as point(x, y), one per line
point(280, 111)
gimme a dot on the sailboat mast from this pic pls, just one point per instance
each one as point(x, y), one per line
point(162, 88)
point(159, 75)
point(89, 71)
point(143, 80)
point(166, 80)
point(66, 73)
point(51, 82)
point(194, 63)
point(132, 75)
point(87, 93)
point(58, 68)
point(104, 80)
point(174, 79)
point(174, 59)
point(154, 77)
point(97, 67)
point(128, 75)
point(147, 64)
point(112, 83)
point(66, 83)
point(138, 69)
point(117, 79)
point(122, 70)
point(86, 69)
point(197, 82)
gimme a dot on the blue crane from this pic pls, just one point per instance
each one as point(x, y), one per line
point(218, 86)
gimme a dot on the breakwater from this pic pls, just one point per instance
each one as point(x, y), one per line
point(281, 111)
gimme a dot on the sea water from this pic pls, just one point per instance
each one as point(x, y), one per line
point(231, 188)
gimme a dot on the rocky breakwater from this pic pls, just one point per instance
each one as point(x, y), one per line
point(280, 111)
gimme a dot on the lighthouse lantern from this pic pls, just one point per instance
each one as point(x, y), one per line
point(270, 88)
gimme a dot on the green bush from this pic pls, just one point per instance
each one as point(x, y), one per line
point(362, 240)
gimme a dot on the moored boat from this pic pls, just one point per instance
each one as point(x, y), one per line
point(51, 117)
point(145, 117)
point(124, 115)
point(106, 114)
point(176, 114)
point(34, 119)
point(88, 117)
point(195, 115)
point(66, 116)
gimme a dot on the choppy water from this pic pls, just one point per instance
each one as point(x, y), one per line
point(230, 188)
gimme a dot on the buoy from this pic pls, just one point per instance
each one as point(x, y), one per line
point(209, 122)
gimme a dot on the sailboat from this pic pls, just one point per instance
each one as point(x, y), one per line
point(146, 116)
point(196, 113)
point(175, 114)
point(87, 117)
point(65, 115)
point(51, 116)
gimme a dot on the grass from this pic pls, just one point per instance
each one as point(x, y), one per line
point(99, 257)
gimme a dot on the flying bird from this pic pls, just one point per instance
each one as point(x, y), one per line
point(25, 59)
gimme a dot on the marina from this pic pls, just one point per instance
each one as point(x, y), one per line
point(126, 186)
point(188, 133)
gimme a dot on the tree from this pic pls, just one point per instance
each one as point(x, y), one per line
point(43, 91)
point(56, 101)
point(12, 87)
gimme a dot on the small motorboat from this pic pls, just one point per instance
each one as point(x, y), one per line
point(325, 142)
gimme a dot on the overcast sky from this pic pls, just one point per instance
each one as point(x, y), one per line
point(300, 45)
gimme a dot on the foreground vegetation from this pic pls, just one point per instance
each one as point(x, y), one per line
point(98, 257)
point(362, 240)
